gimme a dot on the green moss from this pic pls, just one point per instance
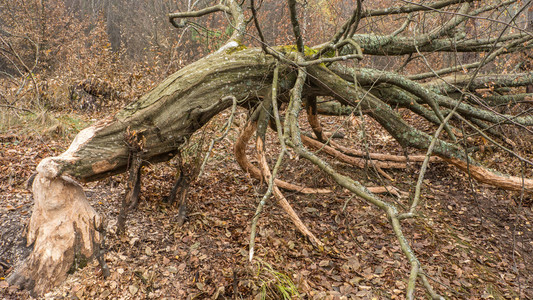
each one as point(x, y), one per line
point(329, 54)
point(236, 49)
point(292, 48)
point(309, 51)
point(287, 49)
point(80, 262)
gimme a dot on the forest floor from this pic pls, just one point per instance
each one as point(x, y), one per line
point(474, 241)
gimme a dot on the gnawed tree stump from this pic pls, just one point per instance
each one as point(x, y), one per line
point(63, 224)
point(62, 229)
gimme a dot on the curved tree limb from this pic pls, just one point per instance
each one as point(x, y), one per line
point(240, 156)
point(231, 7)
point(194, 14)
point(408, 136)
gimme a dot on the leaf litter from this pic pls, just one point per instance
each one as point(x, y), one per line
point(466, 243)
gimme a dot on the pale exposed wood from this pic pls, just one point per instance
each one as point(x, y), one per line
point(486, 176)
point(285, 205)
point(242, 160)
point(62, 227)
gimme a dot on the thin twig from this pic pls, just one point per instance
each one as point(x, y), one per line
point(227, 125)
point(19, 108)
point(296, 26)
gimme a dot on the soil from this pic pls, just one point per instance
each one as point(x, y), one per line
point(473, 241)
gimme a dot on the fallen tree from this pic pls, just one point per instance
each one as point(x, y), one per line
point(64, 229)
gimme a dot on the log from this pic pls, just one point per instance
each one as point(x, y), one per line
point(63, 226)
point(167, 115)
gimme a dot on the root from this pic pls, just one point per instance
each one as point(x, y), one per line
point(312, 118)
point(483, 175)
point(358, 162)
point(179, 191)
point(283, 201)
point(242, 160)
point(131, 197)
point(178, 186)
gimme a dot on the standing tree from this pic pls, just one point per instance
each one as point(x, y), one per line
point(483, 97)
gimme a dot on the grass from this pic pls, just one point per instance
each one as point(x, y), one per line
point(274, 284)
point(43, 123)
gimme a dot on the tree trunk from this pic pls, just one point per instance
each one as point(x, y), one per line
point(166, 116)
point(63, 225)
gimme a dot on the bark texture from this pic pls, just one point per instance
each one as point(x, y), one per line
point(166, 116)
point(63, 227)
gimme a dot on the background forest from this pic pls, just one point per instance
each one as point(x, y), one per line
point(90, 55)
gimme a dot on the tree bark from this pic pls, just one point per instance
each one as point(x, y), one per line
point(63, 225)
point(166, 116)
